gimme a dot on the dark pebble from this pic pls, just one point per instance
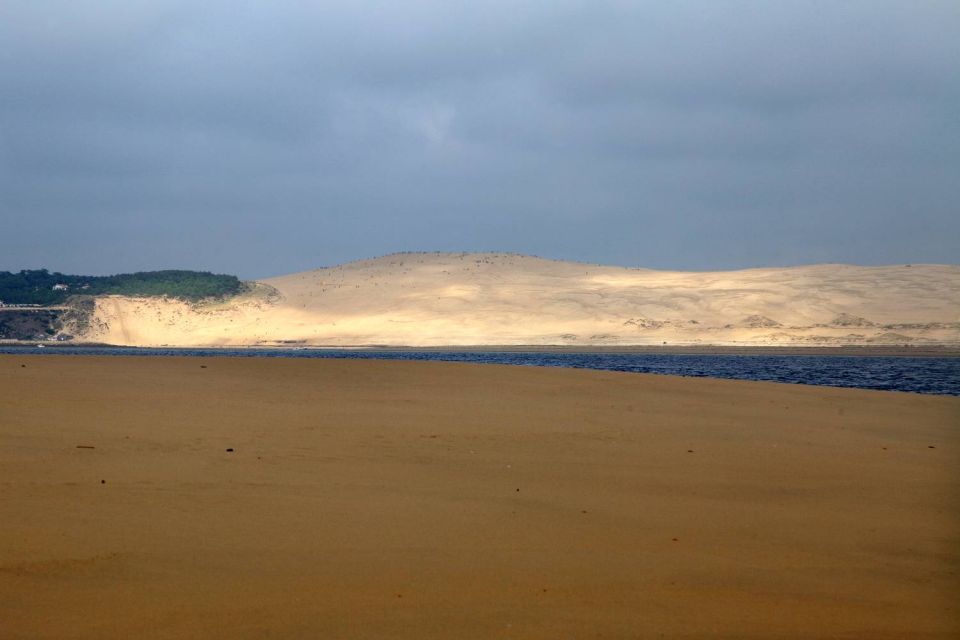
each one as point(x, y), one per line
point(230, 450)
point(103, 482)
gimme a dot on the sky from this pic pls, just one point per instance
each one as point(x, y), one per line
point(263, 138)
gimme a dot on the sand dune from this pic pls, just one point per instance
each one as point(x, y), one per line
point(423, 299)
point(250, 498)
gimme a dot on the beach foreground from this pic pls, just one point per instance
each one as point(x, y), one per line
point(148, 497)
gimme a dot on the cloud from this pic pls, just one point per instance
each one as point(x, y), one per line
point(261, 139)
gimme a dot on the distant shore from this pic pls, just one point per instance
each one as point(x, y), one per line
point(933, 351)
point(495, 301)
point(926, 351)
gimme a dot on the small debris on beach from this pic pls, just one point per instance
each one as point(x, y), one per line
point(689, 450)
point(930, 446)
point(85, 446)
point(230, 450)
point(203, 366)
point(103, 482)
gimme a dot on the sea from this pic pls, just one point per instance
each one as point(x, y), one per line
point(929, 375)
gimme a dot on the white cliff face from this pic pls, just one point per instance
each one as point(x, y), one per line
point(423, 299)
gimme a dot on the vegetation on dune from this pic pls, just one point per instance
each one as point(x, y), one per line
point(45, 288)
point(33, 324)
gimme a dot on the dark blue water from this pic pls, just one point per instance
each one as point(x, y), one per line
point(919, 375)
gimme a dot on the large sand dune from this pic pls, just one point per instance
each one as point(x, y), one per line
point(423, 299)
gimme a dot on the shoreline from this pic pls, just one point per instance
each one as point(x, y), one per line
point(928, 351)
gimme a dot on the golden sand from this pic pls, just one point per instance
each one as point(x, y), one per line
point(283, 498)
point(502, 299)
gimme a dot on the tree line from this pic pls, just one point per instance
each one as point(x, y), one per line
point(45, 288)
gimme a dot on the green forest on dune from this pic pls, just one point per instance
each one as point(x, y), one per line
point(42, 287)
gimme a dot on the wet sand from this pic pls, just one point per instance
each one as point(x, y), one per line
point(147, 497)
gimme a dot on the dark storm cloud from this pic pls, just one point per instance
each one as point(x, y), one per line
point(263, 138)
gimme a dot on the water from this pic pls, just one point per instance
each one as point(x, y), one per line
point(939, 376)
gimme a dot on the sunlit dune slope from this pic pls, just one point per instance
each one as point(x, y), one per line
point(422, 299)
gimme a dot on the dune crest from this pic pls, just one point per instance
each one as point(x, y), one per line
point(435, 299)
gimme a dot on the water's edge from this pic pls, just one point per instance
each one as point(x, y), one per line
point(929, 375)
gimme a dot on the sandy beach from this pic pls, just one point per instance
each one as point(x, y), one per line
point(149, 497)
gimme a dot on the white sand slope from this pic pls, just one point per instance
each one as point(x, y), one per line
point(422, 299)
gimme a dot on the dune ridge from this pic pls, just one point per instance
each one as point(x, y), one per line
point(439, 299)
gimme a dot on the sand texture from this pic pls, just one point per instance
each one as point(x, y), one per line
point(425, 299)
point(369, 499)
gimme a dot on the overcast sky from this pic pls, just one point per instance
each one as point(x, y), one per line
point(261, 138)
